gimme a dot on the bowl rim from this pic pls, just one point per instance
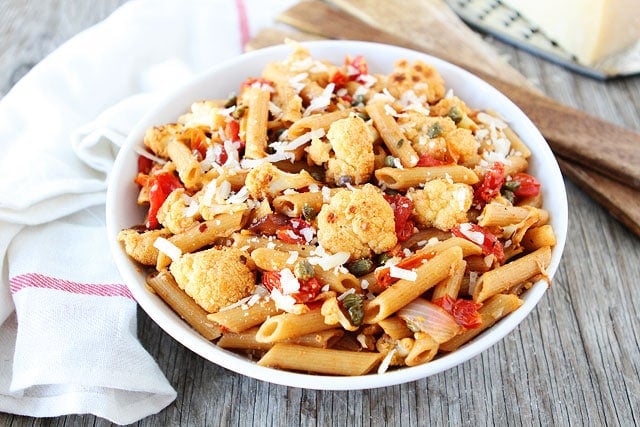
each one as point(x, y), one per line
point(179, 330)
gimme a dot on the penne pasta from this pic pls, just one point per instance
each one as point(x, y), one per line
point(243, 317)
point(168, 290)
point(322, 361)
point(293, 224)
point(404, 291)
point(494, 309)
point(403, 179)
point(393, 138)
point(502, 278)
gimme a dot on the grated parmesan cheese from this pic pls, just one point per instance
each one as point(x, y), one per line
point(401, 273)
point(384, 365)
point(168, 248)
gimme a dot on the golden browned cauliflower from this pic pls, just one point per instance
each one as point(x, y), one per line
point(358, 221)
point(157, 138)
point(462, 146)
point(422, 78)
point(203, 113)
point(267, 181)
point(173, 212)
point(215, 277)
point(352, 146)
point(441, 204)
point(139, 246)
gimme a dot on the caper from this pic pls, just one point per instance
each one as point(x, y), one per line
point(303, 270)
point(308, 212)
point(389, 161)
point(435, 130)
point(354, 306)
point(455, 114)
point(360, 267)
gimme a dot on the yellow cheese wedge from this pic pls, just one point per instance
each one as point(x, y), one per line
point(589, 29)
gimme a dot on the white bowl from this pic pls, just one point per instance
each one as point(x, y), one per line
point(224, 79)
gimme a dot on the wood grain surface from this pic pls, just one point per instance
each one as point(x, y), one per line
point(574, 361)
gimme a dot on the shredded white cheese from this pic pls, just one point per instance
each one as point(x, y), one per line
point(401, 273)
point(168, 248)
point(384, 365)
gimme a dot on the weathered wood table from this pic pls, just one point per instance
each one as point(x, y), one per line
point(574, 361)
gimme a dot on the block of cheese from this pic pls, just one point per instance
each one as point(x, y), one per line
point(589, 29)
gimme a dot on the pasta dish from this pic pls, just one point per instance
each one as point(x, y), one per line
point(334, 220)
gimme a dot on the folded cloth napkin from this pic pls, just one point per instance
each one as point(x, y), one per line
point(68, 340)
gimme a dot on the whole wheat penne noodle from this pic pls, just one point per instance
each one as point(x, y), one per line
point(403, 179)
point(250, 242)
point(515, 164)
point(468, 248)
point(168, 290)
point(286, 96)
point(391, 134)
point(201, 235)
point(451, 285)
point(501, 215)
point(288, 325)
point(379, 156)
point(320, 339)
point(535, 201)
point(404, 291)
point(338, 281)
point(517, 144)
point(315, 121)
point(243, 317)
point(424, 349)
point(395, 327)
point(293, 204)
point(273, 259)
point(422, 237)
point(502, 278)
point(245, 340)
point(257, 100)
point(320, 360)
point(492, 310)
point(187, 165)
point(537, 237)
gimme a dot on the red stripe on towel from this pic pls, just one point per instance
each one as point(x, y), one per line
point(34, 280)
point(243, 21)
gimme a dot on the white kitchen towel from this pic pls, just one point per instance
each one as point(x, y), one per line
point(68, 339)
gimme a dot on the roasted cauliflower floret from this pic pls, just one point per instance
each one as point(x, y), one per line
point(173, 212)
point(215, 277)
point(157, 138)
point(422, 78)
point(203, 113)
point(267, 181)
point(358, 221)
point(352, 146)
point(462, 146)
point(447, 107)
point(139, 246)
point(441, 204)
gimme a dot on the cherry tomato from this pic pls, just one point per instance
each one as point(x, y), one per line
point(161, 185)
point(309, 289)
point(464, 311)
point(427, 159)
point(490, 185)
point(402, 211)
point(528, 186)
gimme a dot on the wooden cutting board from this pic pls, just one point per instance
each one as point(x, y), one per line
point(430, 26)
point(621, 200)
